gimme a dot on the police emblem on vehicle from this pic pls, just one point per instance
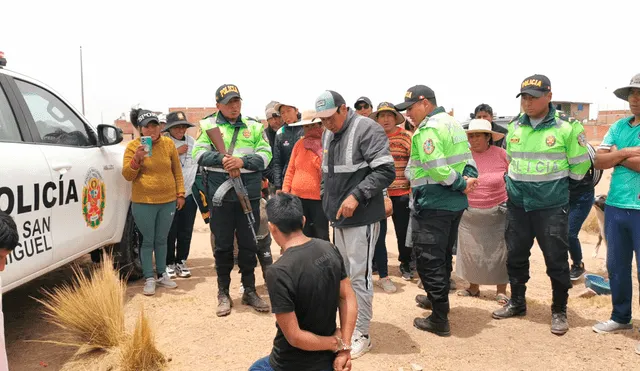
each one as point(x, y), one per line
point(582, 139)
point(428, 146)
point(551, 140)
point(94, 198)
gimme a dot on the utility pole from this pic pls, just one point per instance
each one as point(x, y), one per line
point(81, 81)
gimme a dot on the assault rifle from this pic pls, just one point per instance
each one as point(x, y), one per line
point(215, 136)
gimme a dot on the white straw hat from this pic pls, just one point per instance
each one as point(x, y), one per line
point(483, 126)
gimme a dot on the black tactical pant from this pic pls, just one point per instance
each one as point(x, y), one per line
point(226, 220)
point(551, 228)
point(434, 233)
point(317, 224)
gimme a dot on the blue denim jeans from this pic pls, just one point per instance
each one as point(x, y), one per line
point(623, 239)
point(263, 365)
point(578, 212)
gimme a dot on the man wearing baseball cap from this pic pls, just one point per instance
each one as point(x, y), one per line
point(356, 167)
point(286, 138)
point(274, 123)
point(249, 155)
point(363, 106)
point(548, 155)
point(441, 171)
point(620, 149)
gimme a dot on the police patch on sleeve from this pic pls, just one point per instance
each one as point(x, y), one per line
point(582, 139)
point(428, 146)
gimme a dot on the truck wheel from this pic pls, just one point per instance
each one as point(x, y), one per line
point(126, 253)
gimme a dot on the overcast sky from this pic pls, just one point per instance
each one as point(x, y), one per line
point(173, 54)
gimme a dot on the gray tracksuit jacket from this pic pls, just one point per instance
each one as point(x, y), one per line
point(356, 161)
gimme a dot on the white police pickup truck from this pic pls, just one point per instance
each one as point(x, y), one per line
point(60, 179)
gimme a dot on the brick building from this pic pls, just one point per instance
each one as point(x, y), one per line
point(194, 115)
point(577, 110)
point(597, 129)
point(611, 116)
point(127, 129)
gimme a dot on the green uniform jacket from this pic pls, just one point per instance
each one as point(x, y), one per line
point(545, 160)
point(440, 158)
point(252, 146)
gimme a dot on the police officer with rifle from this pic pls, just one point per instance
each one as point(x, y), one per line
point(234, 151)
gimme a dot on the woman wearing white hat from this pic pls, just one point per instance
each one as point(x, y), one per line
point(482, 252)
point(304, 174)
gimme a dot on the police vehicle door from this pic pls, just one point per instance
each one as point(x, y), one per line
point(85, 173)
point(27, 192)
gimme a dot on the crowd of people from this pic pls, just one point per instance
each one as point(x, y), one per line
point(483, 193)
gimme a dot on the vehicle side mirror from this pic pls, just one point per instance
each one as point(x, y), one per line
point(109, 135)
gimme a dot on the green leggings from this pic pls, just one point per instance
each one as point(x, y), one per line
point(154, 222)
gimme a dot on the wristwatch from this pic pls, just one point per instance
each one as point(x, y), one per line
point(341, 345)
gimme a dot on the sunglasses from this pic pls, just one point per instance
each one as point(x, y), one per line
point(362, 106)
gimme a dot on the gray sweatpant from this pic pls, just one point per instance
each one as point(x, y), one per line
point(356, 245)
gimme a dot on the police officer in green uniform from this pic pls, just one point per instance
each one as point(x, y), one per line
point(548, 155)
point(441, 171)
point(251, 155)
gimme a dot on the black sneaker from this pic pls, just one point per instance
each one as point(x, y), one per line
point(559, 323)
point(405, 270)
point(414, 269)
point(576, 271)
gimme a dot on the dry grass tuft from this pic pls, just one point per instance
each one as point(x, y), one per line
point(139, 352)
point(90, 310)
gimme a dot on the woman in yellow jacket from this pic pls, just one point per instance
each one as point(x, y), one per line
point(158, 190)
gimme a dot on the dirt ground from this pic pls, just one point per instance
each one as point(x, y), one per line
point(193, 338)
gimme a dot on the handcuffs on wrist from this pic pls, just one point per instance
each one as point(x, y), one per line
point(341, 345)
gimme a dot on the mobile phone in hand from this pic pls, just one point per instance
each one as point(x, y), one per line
point(146, 142)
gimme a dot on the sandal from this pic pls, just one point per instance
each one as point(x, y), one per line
point(502, 299)
point(467, 293)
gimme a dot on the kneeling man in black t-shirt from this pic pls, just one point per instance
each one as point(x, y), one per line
point(306, 286)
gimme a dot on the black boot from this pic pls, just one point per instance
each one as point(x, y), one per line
point(224, 303)
point(426, 324)
point(559, 323)
point(517, 306)
point(423, 302)
point(511, 309)
point(251, 298)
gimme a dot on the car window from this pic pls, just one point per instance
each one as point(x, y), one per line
point(56, 123)
point(8, 125)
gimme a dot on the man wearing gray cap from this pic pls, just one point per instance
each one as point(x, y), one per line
point(356, 167)
point(620, 150)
